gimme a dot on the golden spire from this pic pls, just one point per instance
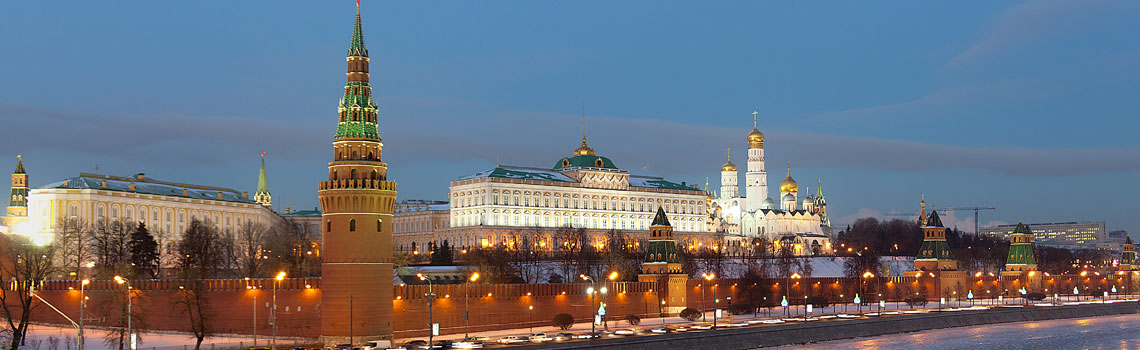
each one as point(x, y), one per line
point(728, 166)
point(755, 138)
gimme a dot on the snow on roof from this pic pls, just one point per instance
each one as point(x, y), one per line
point(149, 186)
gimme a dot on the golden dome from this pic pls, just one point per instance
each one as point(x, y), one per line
point(789, 185)
point(584, 150)
point(755, 138)
point(728, 166)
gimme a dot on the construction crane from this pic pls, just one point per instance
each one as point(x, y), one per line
point(977, 230)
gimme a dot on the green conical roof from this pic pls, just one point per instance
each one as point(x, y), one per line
point(660, 219)
point(1022, 229)
point(356, 48)
point(19, 165)
point(262, 184)
point(934, 220)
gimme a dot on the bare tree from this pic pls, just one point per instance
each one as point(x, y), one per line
point(284, 249)
point(110, 247)
point(25, 266)
point(72, 239)
point(249, 239)
point(198, 259)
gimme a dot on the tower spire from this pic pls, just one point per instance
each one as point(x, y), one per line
point(262, 195)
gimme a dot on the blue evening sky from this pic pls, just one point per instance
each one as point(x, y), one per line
point(1030, 107)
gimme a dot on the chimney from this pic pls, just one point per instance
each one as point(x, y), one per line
point(219, 195)
point(140, 176)
point(132, 186)
point(185, 193)
point(245, 195)
point(103, 184)
point(65, 182)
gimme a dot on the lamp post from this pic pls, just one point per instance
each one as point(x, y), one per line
point(866, 275)
point(661, 310)
point(590, 291)
point(273, 312)
point(82, 306)
point(130, 334)
point(253, 290)
point(466, 311)
point(431, 320)
point(708, 277)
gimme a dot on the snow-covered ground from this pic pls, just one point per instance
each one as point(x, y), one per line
point(59, 338)
point(1105, 332)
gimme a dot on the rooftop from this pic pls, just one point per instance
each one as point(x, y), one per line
point(146, 185)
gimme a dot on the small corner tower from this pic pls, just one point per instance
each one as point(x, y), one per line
point(934, 255)
point(728, 187)
point(663, 264)
point(262, 195)
point(18, 198)
point(756, 179)
point(1020, 257)
point(357, 202)
point(1128, 256)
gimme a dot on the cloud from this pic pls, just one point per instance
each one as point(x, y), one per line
point(454, 132)
point(1032, 22)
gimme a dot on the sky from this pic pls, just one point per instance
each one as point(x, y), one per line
point(1028, 107)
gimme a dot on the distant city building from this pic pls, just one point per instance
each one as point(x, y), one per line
point(755, 215)
point(1070, 235)
point(305, 222)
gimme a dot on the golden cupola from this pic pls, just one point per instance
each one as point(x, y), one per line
point(728, 166)
point(755, 138)
point(584, 150)
point(789, 185)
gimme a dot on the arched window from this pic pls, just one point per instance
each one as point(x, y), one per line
point(374, 174)
point(328, 226)
point(379, 225)
point(352, 174)
point(355, 155)
point(351, 225)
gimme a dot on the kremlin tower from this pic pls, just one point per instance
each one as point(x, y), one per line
point(663, 265)
point(1020, 257)
point(262, 195)
point(357, 202)
point(934, 255)
point(18, 199)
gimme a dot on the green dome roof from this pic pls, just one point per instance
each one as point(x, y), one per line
point(585, 161)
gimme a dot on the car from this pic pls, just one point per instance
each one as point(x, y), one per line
point(513, 339)
point(442, 344)
point(298, 348)
point(662, 330)
point(592, 335)
point(563, 336)
point(372, 345)
point(682, 329)
point(539, 337)
point(416, 344)
point(468, 344)
point(625, 332)
point(702, 327)
point(342, 347)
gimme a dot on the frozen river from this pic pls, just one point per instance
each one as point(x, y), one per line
point(1108, 332)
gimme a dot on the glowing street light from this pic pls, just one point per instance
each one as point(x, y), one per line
point(273, 312)
point(130, 334)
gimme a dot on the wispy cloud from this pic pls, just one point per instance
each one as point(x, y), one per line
point(1033, 22)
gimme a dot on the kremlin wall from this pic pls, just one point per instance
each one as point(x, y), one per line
point(506, 306)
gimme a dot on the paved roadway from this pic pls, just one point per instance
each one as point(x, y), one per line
point(1108, 332)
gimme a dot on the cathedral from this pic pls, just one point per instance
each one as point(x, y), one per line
point(752, 214)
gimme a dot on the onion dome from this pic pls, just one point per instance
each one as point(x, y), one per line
point(584, 150)
point(789, 185)
point(728, 166)
point(768, 203)
point(755, 138)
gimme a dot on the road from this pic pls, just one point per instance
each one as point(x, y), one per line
point(1109, 332)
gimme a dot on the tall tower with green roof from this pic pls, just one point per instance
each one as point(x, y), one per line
point(663, 264)
point(357, 202)
point(1128, 256)
point(262, 195)
point(18, 198)
point(1020, 257)
point(934, 254)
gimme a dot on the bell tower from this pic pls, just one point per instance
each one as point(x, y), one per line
point(357, 202)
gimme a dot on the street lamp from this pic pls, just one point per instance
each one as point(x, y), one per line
point(273, 312)
point(466, 313)
point(430, 298)
point(590, 291)
point(82, 306)
point(130, 335)
point(708, 277)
